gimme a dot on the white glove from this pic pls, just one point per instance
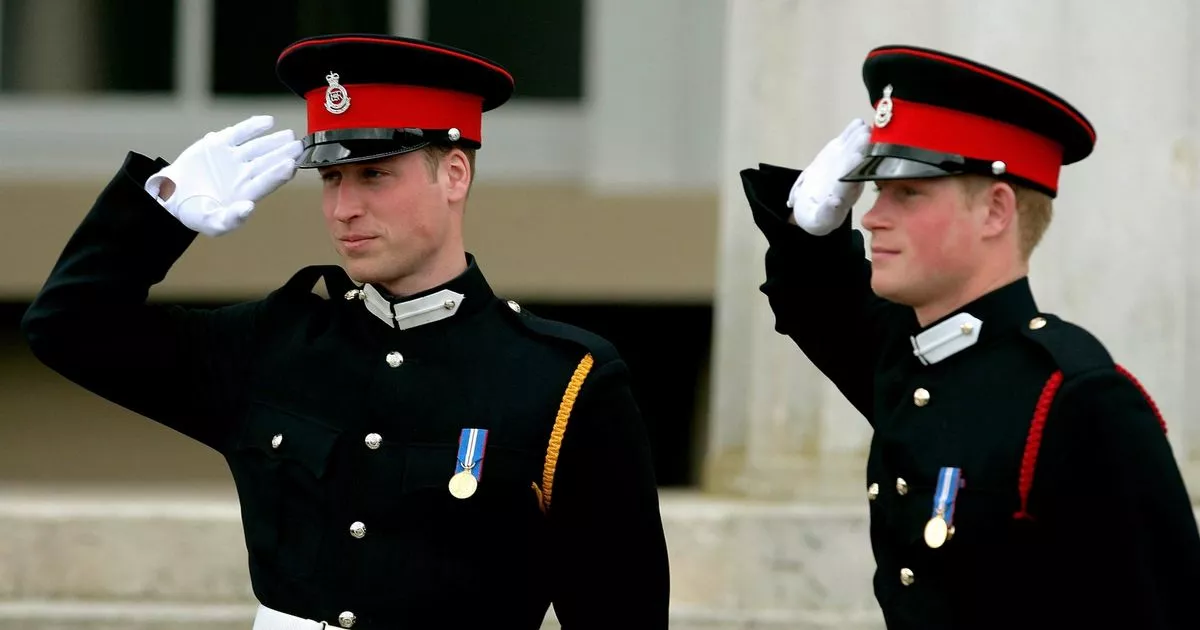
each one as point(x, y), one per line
point(818, 200)
point(222, 175)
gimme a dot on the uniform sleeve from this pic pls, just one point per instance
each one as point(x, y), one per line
point(91, 322)
point(819, 288)
point(609, 553)
point(1121, 527)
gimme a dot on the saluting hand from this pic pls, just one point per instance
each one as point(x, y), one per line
point(213, 185)
point(819, 201)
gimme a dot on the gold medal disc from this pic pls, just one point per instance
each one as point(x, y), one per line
point(463, 485)
point(935, 532)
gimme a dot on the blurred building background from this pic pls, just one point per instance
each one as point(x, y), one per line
point(598, 210)
point(608, 197)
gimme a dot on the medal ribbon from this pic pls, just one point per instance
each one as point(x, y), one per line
point(471, 444)
point(949, 481)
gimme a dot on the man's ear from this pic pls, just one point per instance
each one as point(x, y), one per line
point(458, 174)
point(1000, 203)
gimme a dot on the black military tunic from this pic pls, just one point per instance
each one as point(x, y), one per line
point(341, 425)
point(1071, 512)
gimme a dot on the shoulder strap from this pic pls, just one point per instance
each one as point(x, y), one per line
point(596, 351)
point(1074, 351)
point(601, 350)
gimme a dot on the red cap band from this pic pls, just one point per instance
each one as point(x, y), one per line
point(1025, 154)
point(399, 107)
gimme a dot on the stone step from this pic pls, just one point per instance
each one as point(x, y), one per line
point(75, 615)
point(175, 558)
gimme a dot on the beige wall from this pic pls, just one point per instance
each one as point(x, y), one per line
point(536, 243)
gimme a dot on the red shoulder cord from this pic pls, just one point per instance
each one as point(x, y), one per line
point(1034, 441)
point(1146, 395)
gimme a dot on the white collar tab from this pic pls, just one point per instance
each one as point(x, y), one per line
point(409, 313)
point(947, 338)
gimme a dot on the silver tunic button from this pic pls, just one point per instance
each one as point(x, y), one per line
point(394, 359)
point(449, 305)
point(347, 619)
point(907, 577)
point(358, 529)
point(373, 440)
point(277, 440)
point(1037, 323)
point(921, 397)
point(872, 491)
point(514, 306)
point(901, 486)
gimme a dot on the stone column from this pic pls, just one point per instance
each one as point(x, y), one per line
point(778, 429)
point(1185, 176)
point(1114, 261)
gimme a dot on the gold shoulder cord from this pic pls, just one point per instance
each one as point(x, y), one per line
point(560, 429)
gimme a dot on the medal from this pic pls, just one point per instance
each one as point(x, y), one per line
point(462, 485)
point(936, 532)
point(468, 469)
point(939, 528)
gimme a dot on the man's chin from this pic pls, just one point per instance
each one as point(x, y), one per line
point(889, 289)
point(362, 271)
point(371, 271)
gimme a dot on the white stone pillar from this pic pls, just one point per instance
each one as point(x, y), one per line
point(1114, 261)
point(778, 428)
point(1185, 177)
